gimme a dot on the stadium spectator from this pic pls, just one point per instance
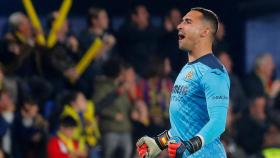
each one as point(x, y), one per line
point(138, 39)
point(58, 60)
point(22, 58)
point(97, 27)
point(63, 35)
point(114, 106)
point(30, 131)
point(237, 94)
point(232, 149)
point(10, 84)
point(139, 112)
point(155, 91)
point(7, 109)
point(83, 112)
point(19, 53)
point(63, 145)
point(260, 81)
point(168, 45)
point(221, 43)
point(252, 126)
point(271, 141)
point(98, 23)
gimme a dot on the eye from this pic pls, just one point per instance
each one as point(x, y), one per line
point(188, 21)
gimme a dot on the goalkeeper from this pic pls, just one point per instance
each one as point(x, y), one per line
point(199, 98)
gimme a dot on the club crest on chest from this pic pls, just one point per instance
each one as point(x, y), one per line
point(189, 75)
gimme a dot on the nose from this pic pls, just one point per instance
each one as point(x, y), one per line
point(179, 26)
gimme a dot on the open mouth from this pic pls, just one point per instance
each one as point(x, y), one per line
point(181, 36)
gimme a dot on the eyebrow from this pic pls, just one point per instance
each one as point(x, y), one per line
point(187, 19)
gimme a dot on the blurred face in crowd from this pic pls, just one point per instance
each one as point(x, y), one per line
point(266, 67)
point(102, 21)
point(129, 75)
point(141, 17)
point(6, 103)
point(221, 32)
point(65, 26)
point(67, 131)
point(25, 26)
point(257, 109)
point(31, 108)
point(192, 29)
point(226, 61)
point(80, 102)
point(175, 16)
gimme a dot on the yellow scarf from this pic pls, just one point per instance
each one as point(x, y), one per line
point(67, 141)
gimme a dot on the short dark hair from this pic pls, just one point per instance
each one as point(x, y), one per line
point(210, 16)
point(68, 122)
point(93, 13)
point(69, 97)
point(29, 100)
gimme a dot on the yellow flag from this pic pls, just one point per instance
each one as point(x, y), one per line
point(63, 11)
point(88, 56)
point(34, 21)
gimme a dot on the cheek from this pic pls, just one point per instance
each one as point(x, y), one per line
point(25, 28)
point(189, 40)
point(191, 33)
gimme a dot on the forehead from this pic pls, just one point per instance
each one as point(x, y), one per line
point(193, 15)
point(140, 8)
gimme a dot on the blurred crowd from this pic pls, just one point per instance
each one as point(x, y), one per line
point(124, 92)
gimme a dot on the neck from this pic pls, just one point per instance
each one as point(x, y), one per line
point(199, 51)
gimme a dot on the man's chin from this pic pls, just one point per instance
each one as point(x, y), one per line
point(181, 47)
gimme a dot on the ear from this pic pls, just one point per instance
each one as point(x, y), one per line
point(206, 32)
